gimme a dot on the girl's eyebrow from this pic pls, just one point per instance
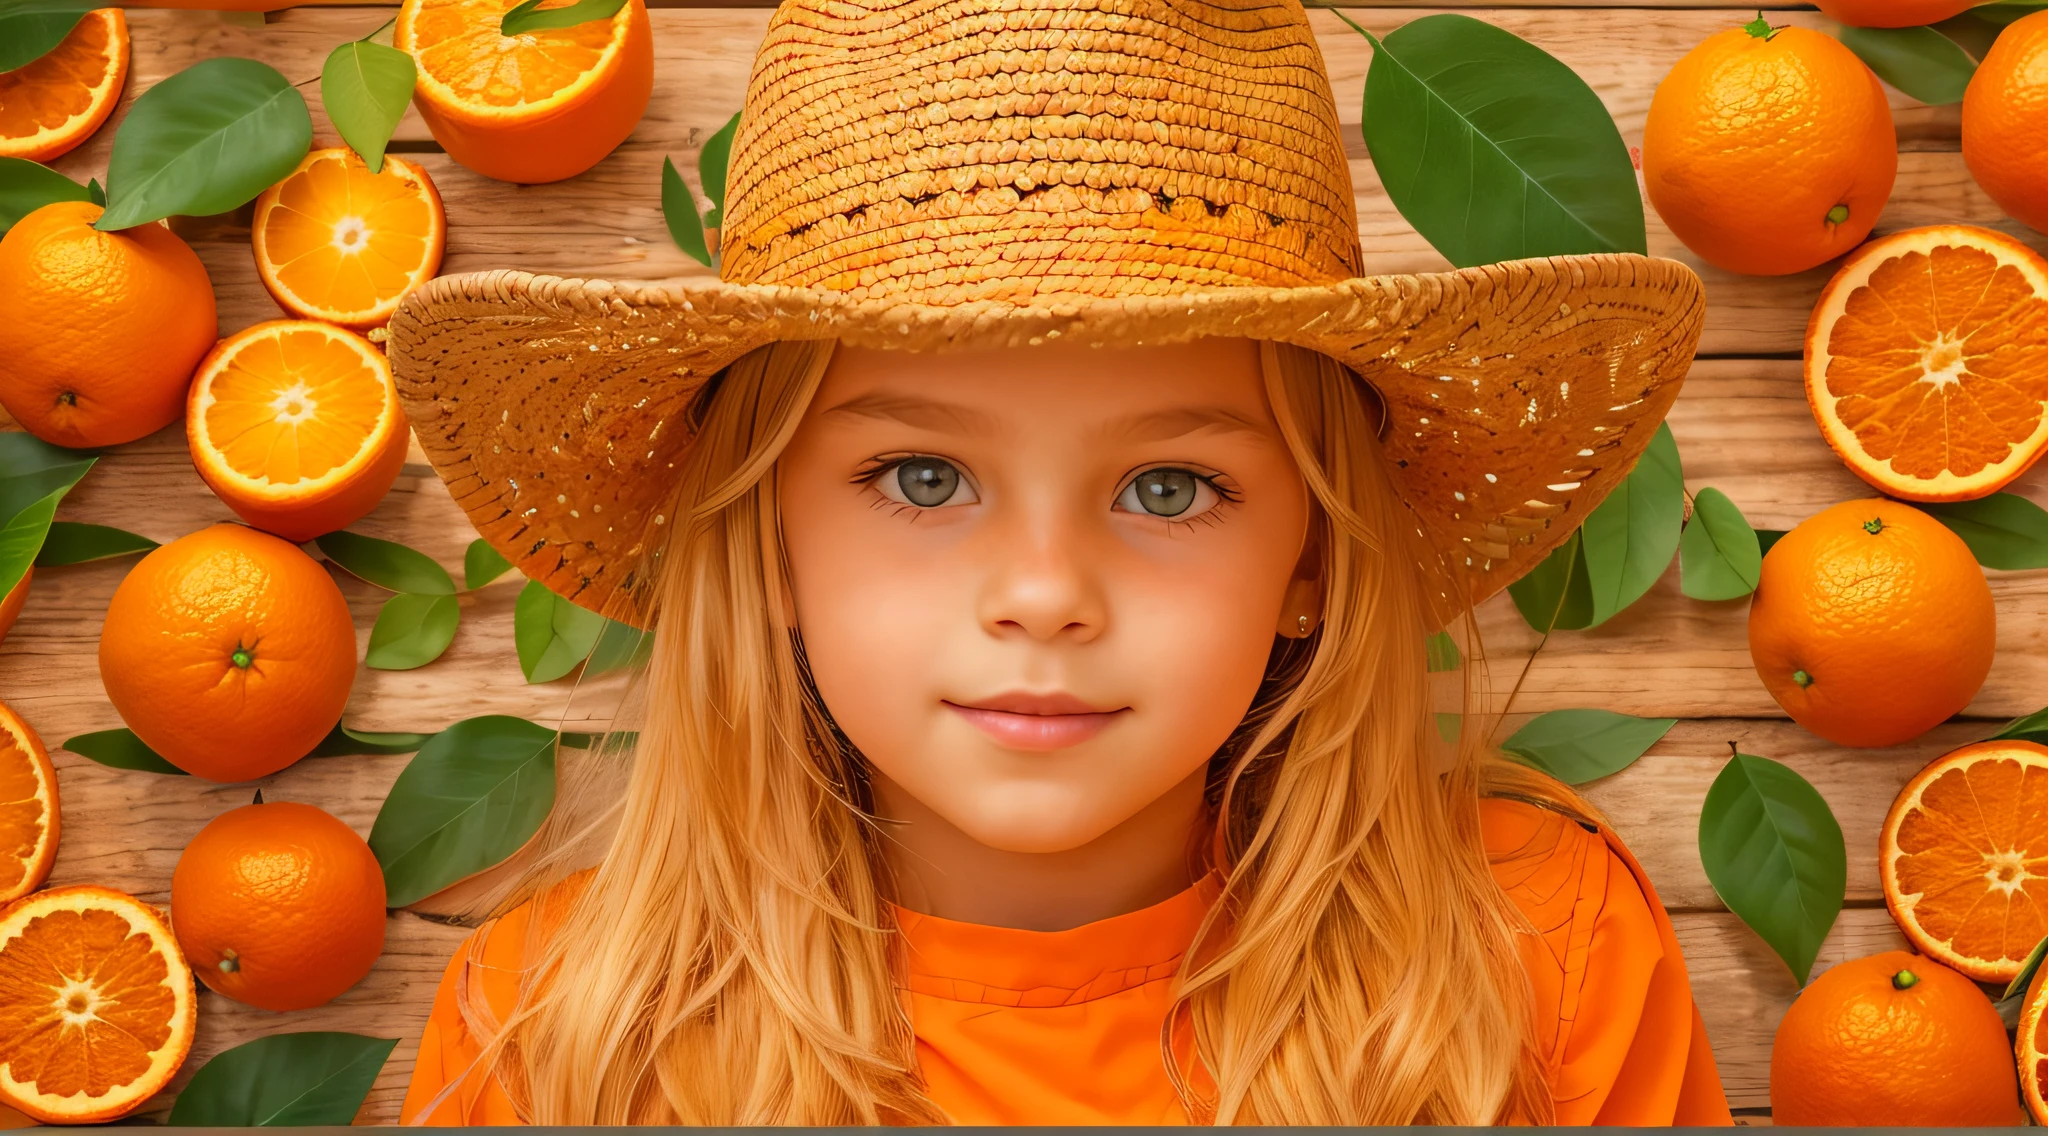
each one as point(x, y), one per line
point(1153, 425)
point(911, 410)
point(1163, 425)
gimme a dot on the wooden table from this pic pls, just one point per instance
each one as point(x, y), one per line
point(1741, 423)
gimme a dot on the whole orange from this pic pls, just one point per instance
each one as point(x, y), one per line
point(1769, 153)
point(2005, 121)
point(278, 905)
point(102, 329)
point(1894, 13)
point(1894, 1039)
point(229, 652)
point(1871, 623)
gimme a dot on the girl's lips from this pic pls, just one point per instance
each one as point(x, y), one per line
point(1036, 722)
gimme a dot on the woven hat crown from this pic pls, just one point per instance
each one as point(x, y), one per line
point(947, 151)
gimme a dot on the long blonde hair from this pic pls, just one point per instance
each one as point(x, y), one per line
point(731, 959)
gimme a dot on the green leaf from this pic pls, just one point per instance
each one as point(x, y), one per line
point(412, 631)
point(1774, 853)
point(679, 210)
point(344, 742)
point(1493, 149)
point(94, 191)
point(386, 564)
point(2030, 728)
point(27, 186)
point(472, 796)
point(70, 542)
point(1450, 727)
point(2004, 530)
point(22, 537)
point(2005, 12)
point(1919, 61)
point(284, 1079)
point(31, 469)
point(120, 749)
point(1631, 536)
point(1577, 746)
point(366, 87)
point(481, 564)
point(204, 141)
point(1765, 538)
point(1443, 653)
point(551, 634)
point(712, 162)
point(2018, 985)
point(31, 29)
point(618, 645)
point(530, 17)
point(1718, 554)
point(1555, 595)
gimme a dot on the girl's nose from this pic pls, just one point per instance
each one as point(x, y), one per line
point(1043, 584)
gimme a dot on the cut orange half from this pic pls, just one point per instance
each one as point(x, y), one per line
point(535, 107)
point(56, 102)
point(336, 242)
point(1927, 362)
point(2030, 1045)
point(1964, 858)
point(28, 808)
point(295, 424)
point(96, 1004)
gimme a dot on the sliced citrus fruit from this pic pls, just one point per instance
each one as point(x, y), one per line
point(295, 424)
point(336, 242)
point(28, 808)
point(2030, 1045)
point(56, 102)
point(1964, 858)
point(96, 1004)
point(1927, 362)
point(534, 107)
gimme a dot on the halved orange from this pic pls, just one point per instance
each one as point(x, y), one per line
point(2030, 1046)
point(1963, 858)
point(56, 102)
point(1927, 362)
point(295, 424)
point(96, 1004)
point(535, 107)
point(28, 808)
point(336, 242)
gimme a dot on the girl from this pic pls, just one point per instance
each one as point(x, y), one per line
point(1041, 526)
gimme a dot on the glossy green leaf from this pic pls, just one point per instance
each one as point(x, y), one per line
point(2032, 963)
point(366, 87)
point(32, 469)
point(1765, 538)
point(204, 141)
point(120, 749)
point(529, 16)
point(22, 537)
point(1774, 853)
point(2003, 530)
point(481, 564)
point(551, 634)
point(344, 742)
point(1493, 149)
point(2004, 12)
point(96, 193)
point(1577, 746)
point(1443, 653)
point(470, 798)
point(70, 542)
point(2030, 728)
point(412, 631)
point(27, 186)
point(1718, 554)
point(1631, 537)
point(386, 564)
point(1921, 62)
point(31, 29)
point(1555, 595)
point(618, 645)
point(284, 1079)
point(679, 211)
point(712, 163)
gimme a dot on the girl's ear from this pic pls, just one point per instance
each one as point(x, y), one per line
point(1302, 607)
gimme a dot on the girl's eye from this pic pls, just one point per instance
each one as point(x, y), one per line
point(926, 483)
point(1169, 492)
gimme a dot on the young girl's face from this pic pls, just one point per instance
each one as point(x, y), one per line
point(1038, 587)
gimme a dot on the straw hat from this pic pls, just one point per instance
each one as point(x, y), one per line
point(934, 174)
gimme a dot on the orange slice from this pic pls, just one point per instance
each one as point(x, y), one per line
point(296, 425)
point(96, 1005)
point(1927, 362)
point(56, 102)
point(336, 242)
point(2030, 1045)
point(1964, 858)
point(538, 106)
point(28, 808)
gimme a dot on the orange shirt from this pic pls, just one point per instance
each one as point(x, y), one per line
point(1029, 1027)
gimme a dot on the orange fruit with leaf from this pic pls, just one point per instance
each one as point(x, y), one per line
point(535, 107)
point(229, 652)
point(1894, 13)
point(279, 905)
point(1871, 623)
point(2005, 121)
point(102, 329)
point(1896, 1040)
point(28, 808)
point(296, 425)
point(336, 242)
point(96, 1005)
point(1769, 150)
point(51, 105)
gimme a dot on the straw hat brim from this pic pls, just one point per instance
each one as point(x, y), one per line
point(1516, 394)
